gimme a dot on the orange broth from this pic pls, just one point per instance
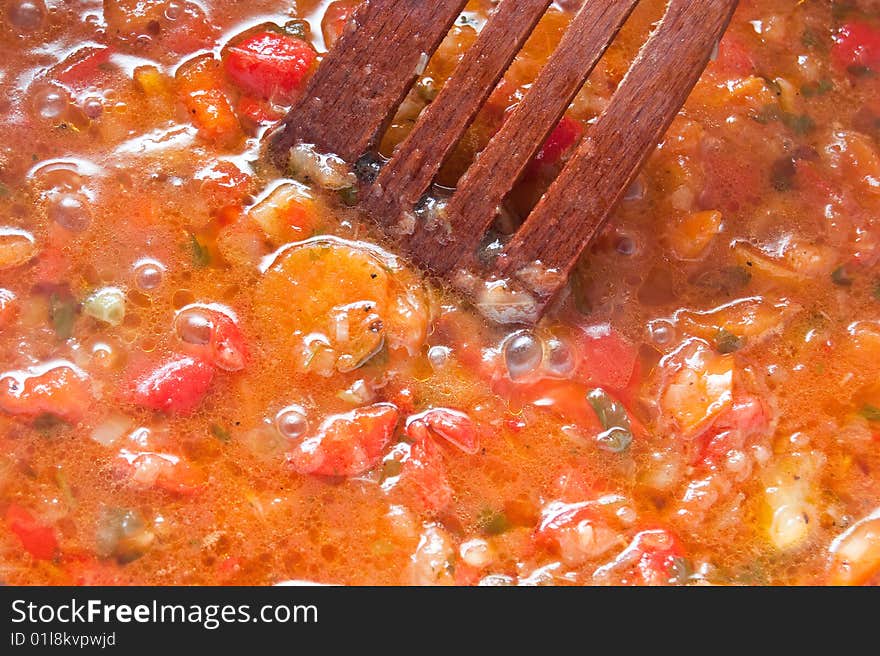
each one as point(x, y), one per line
point(211, 373)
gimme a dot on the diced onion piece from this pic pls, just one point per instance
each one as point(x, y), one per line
point(329, 171)
point(476, 553)
point(106, 305)
point(789, 527)
point(788, 493)
point(433, 558)
point(109, 431)
point(501, 300)
point(700, 387)
point(752, 318)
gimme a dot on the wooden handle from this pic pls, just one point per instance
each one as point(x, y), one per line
point(353, 95)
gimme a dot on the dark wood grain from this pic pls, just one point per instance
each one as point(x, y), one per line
point(407, 176)
point(358, 86)
point(608, 159)
point(475, 202)
point(356, 90)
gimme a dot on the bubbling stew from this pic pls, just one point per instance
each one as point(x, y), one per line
point(215, 372)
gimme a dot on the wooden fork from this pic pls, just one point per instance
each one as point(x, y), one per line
point(353, 96)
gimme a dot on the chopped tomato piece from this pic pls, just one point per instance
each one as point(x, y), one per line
point(566, 398)
point(200, 83)
point(213, 115)
point(269, 65)
point(346, 444)
point(83, 68)
point(334, 20)
point(228, 349)
point(59, 388)
point(177, 385)
point(425, 471)
point(576, 531)
point(85, 569)
point(453, 426)
point(856, 45)
point(37, 539)
point(257, 111)
point(567, 133)
point(466, 574)
point(607, 359)
point(746, 417)
point(223, 183)
point(658, 551)
point(163, 471)
point(654, 557)
point(733, 57)
point(213, 336)
point(53, 266)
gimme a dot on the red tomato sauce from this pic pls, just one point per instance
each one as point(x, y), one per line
point(214, 372)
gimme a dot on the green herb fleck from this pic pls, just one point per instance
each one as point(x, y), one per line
point(220, 433)
point(4, 190)
point(580, 294)
point(798, 123)
point(870, 412)
point(349, 196)
point(493, 522)
point(680, 570)
point(727, 280)
point(819, 88)
point(876, 291)
point(62, 314)
point(617, 435)
point(857, 70)
point(200, 254)
point(726, 342)
point(48, 424)
point(391, 469)
point(811, 39)
point(840, 276)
